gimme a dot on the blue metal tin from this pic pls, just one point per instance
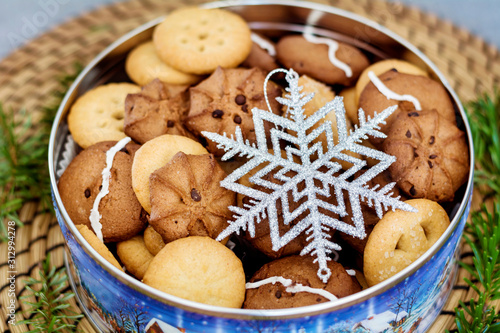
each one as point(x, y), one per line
point(115, 302)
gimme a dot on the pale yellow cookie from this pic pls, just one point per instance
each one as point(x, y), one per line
point(97, 245)
point(134, 255)
point(197, 40)
point(400, 238)
point(143, 66)
point(153, 155)
point(98, 114)
point(383, 66)
point(199, 269)
point(153, 240)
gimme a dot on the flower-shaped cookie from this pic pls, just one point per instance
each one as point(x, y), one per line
point(226, 99)
point(187, 199)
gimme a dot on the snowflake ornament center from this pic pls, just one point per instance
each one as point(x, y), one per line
point(312, 166)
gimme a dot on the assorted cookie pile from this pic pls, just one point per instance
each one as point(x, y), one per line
point(148, 181)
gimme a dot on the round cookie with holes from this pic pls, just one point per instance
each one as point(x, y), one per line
point(225, 100)
point(80, 184)
point(198, 40)
point(98, 114)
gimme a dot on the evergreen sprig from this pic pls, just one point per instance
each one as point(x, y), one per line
point(24, 174)
point(51, 311)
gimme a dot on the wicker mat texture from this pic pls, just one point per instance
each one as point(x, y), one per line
point(28, 78)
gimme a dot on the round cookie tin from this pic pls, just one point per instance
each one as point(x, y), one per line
point(115, 302)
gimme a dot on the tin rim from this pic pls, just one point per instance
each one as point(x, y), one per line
point(248, 314)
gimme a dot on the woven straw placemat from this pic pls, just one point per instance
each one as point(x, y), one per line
point(28, 77)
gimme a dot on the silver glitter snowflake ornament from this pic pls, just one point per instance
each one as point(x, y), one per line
point(318, 169)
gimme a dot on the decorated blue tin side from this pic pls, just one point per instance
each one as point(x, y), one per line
point(116, 302)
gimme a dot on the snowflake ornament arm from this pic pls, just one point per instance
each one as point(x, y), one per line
point(318, 172)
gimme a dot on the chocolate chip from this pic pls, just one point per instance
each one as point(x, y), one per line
point(415, 154)
point(170, 123)
point(318, 299)
point(413, 114)
point(237, 119)
point(408, 134)
point(430, 164)
point(432, 157)
point(87, 193)
point(217, 113)
point(412, 190)
point(244, 108)
point(240, 99)
point(432, 140)
point(394, 70)
point(100, 187)
point(278, 294)
point(195, 195)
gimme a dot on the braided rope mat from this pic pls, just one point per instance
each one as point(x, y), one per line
point(28, 77)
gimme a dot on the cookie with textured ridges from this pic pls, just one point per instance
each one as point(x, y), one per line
point(380, 67)
point(80, 184)
point(153, 155)
point(158, 109)
point(187, 199)
point(431, 95)
point(432, 157)
point(226, 99)
point(400, 238)
point(197, 40)
point(153, 240)
point(199, 269)
point(307, 58)
point(300, 270)
point(98, 114)
point(143, 66)
point(97, 245)
point(134, 254)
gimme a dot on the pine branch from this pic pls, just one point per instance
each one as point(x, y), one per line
point(51, 311)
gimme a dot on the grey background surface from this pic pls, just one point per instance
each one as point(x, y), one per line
point(22, 20)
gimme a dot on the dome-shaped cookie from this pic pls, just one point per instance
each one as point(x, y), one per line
point(431, 95)
point(187, 199)
point(158, 109)
point(261, 54)
point(122, 214)
point(432, 157)
point(303, 271)
point(226, 99)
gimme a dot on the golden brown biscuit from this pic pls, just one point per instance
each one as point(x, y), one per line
point(98, 114)
point(432, 157)
point(187, 199)
point(260, 56)
point(199, 269)
point(153, 155)
point(303, 271)
point(153, 240)
point(143, 66)
point(197, 40)
point(350, 104)
point(97, 245)
point(134, 255)
point(402, 237)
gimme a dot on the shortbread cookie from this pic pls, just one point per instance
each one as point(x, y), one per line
point(158, 109)
point(199, 269)
point(268, 288)
point(153, 155)
point(97, 245)
point(226, 99)
point(187, 199)
point(153, 240)
point(98, 114)
point(402, 237)
point(143, 66)
point(311, 59)
point(197, 40)
point(80, 184)
point(432, 157)
point(134, 254)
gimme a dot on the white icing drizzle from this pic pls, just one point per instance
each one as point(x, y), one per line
point(332, 49)
point(389, 94)
point(351, 272)
point(291, 287)
point(264, 44)
point(95, 216)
